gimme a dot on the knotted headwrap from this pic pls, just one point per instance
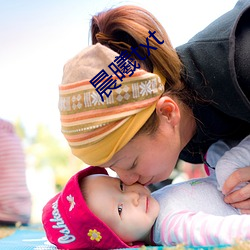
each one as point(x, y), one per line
point(96, 129)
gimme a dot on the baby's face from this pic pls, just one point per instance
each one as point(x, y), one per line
point(130, 211)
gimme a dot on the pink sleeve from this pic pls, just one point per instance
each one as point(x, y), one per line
point(15, 200)
point(201, 229)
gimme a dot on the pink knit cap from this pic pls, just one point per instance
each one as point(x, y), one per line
point(69, 223)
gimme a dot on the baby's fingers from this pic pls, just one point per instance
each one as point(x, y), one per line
point(245, 211)
point(237, 177)
point(239, 198)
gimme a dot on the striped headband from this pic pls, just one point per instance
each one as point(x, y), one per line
point(97, 126)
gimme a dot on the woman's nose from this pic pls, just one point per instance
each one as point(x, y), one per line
point(126, 177)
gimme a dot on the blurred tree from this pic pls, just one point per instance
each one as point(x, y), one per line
point(20, 130)
point(45, 150)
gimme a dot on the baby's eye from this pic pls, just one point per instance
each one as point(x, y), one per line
point(120, 206)
point(121, 186)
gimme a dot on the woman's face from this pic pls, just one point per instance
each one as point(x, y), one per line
point(147, 159)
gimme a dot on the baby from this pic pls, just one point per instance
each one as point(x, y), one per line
point(96, 211)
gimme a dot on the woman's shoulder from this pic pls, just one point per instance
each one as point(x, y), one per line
point(209, 65)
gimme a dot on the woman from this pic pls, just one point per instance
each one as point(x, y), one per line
point(206, 96)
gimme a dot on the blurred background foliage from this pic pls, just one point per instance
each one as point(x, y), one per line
point(44, 150)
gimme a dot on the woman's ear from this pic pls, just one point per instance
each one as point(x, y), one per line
point(168, 110)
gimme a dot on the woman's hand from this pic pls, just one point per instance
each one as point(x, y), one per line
point(240, 198)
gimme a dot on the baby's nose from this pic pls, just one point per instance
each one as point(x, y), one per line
point(133, 197)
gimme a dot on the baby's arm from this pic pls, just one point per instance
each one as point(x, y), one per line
point(214, 153)
point(237, 157)
point(201, 229)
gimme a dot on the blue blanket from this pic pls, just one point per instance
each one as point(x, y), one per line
point(33, 238)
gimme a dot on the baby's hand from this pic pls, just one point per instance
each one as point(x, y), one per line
point(240, 198)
